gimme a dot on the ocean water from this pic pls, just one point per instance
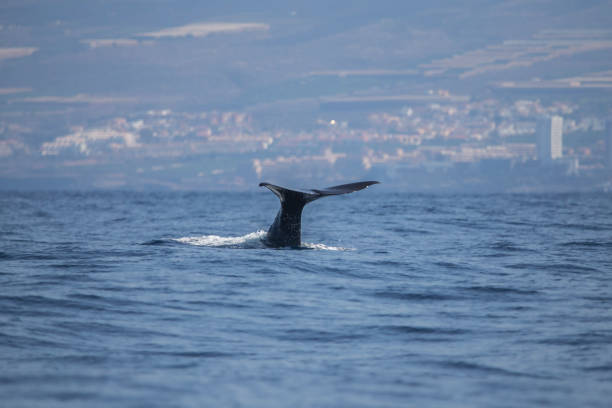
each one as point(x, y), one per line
point(171, 300)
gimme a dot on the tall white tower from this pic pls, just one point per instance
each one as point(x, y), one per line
point(609, 142)
point(550, 139)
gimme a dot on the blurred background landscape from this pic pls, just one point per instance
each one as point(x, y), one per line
point(421, 95)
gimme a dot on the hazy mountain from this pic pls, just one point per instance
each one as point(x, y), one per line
point(75, 68)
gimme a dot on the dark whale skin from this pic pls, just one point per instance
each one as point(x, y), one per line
point(286, 230)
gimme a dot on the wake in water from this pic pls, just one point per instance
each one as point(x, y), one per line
point(323, 247)
point(254, 240)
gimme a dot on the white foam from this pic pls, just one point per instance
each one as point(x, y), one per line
point(323, 247)
point(252, 240)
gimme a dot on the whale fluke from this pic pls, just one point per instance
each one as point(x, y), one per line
point(287, 226)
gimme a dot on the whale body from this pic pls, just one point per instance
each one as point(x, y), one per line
point(286, 229)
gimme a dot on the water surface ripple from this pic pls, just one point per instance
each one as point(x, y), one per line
point(171, 299)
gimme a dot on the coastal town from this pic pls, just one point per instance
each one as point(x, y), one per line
point(224, 105)
point(448, 138)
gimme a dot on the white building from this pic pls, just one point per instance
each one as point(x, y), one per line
point(609, 141)
point(550, 138)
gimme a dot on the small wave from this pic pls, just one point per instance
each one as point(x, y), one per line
point(156, 242)
point(26, 342)
point(451, 265)
point(554, 267)
point(27, 256)
point(485, 369)
point(507, 246)
point(582, 340)
point(402, 230)
point(190, 354)
point(421, 330)
point(605, 368)
point(413, 296)
point(495, 290)
point(319, 336)
point(587, 244)
point(581, 227)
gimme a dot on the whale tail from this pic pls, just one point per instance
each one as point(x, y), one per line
point(286, 228)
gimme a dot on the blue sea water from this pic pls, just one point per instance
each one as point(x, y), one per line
point(171, 300)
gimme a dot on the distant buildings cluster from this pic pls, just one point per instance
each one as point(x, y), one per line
point(487, 136)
